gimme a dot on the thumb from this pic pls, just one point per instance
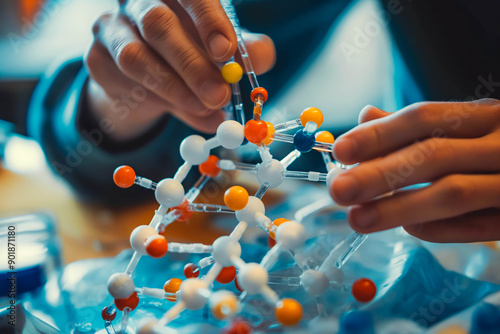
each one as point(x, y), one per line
point(370, 113)
point(261, 51)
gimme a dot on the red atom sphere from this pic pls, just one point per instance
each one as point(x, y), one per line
point(239, 326)
point(255, 131)
point(209, 167)
point(271, 242)
point(237, 285)
point(184, 211)
point(131, 302)
point(124, 177)
point(156, 247)
point(106, 316)
point(364, 290)
point(189, 270)
point(226, 275)
point(259, 91)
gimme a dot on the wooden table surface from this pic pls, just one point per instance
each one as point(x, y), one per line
point(91, 231)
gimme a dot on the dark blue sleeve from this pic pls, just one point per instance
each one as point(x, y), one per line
point(83, 157)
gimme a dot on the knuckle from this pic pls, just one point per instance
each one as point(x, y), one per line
point(455, 191)
point(96, 27)
point(422, 113)
point(157, 23)
point(190, 62)
point(129, 57)
point(436, 149)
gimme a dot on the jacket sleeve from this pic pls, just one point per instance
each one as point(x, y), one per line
point(85, 157)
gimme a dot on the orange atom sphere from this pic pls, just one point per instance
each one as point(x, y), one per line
point(172, 286)
point(259, 91)
point(131, 302)
point(226, 275)
point(288, 311)
point(277, 222)
point(191, 270)
point(209, 167)
point(124, 176)
point(255, 131)
point(236, 198)
point(325, 137)
point(156, 246)
point(311, 115)
point(184, 211)
point(224, 308)
point(270, 134)
point(364, 290)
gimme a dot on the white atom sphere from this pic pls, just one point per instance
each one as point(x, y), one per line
point(254, 206)
point(224, 248)
point(291, 235)
point(314, 282)
point(230, 134)
point(194, 293)
point(138, 238)
point(147, 327)
point(332, 174)
point(252, 278)
point(193, 150)
point(169, 192)
point(121, 286)
point(224, 298)
point(334, 274)
point(271, 174)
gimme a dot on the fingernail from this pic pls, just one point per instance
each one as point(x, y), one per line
point(363, 217)
point(346, 188)
point(214, 93)
point(219, 45)
point(345, 149)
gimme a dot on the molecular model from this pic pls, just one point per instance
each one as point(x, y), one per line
point(224, 255)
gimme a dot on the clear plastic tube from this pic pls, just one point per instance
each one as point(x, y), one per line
point(283, 137)
point(296, 123)
point(231, 165)
point(196, 189)
point(239, 113)
point(194, 248)
point(261, 191)
point(213, 208)
point(343, 251)
point(145, 182)
point(283, 280)
point(290, 158)
point(309, 176)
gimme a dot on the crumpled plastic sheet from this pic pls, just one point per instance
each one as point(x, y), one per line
point(414, 288)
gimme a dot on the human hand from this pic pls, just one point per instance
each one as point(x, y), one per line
point(152, 57)
point(453, 145)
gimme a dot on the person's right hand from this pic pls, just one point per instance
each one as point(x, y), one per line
point(152, 57)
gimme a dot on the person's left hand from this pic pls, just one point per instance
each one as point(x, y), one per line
point(455, 146)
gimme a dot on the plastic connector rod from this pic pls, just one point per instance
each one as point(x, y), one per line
point(281, 127)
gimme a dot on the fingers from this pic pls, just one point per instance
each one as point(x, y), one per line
point(207, 124)
point(161, 28)
point(418, 163)
point(213, 26)
point(448, 197)
point(483, 225)
point(370, 113)
point(418, 121)
point(261, 51)
point(138, 62)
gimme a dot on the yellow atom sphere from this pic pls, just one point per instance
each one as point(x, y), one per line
point(288, 312)
point(325, 137)
point(172, 286)
point(236, 198)
point(270, 134)
point(225, 308)
point(232, 72)
point(311, 115)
